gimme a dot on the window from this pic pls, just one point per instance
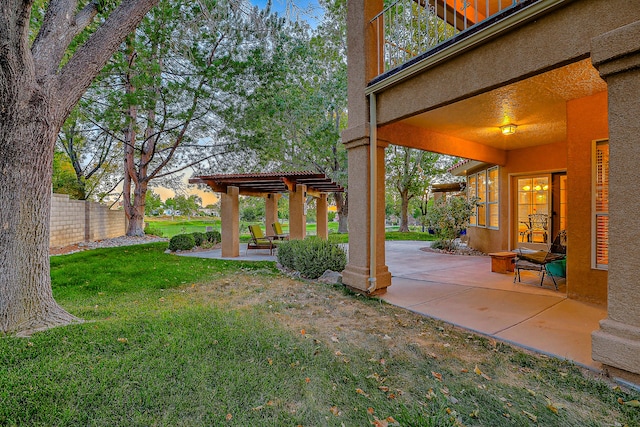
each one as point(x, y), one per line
point(471, 193)
point(601, 205)
point(485, 186)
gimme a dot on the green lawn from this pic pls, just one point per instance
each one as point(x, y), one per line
point(179, 341)
point(169, 228)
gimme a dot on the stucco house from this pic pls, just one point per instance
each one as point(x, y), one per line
point(543, 98)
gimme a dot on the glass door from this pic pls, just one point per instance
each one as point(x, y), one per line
point(533, 211)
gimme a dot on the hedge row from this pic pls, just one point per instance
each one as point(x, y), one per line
point(185, 242)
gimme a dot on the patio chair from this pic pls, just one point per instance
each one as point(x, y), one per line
point(259, 240)
point(541, 261)
point(537, 224)
point(279, 233)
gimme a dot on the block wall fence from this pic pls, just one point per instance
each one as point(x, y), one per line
point(75, 221)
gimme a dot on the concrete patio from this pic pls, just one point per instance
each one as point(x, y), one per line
point(463, 291)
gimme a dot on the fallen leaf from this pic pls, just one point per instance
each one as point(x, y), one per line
point(270, 361)
point(335, 411)
point(391, 396)
point(307, 380)
point(530, 416)
point(334, 338)
point(482, 374)
point(302, 331)
point(338, 353)
point(475, 413)
point(436, 375)
point(361, 391)
point(383, 388)
point(379, 423)
point(123, 340)
point(432, 355)
point(632, 403)
point(370, 410)
point(531, 392)
point(464, 371)
point(229, 417)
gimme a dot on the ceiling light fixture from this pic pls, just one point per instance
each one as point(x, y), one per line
point(509, 129)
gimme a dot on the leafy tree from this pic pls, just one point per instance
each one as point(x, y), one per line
point(93, 155)
point(64, 178)
point(188, 205)
point(161, 95)
point(47, 61)
point(153, 203)
point(448, 217)
point(293, 106)
point(410, 173)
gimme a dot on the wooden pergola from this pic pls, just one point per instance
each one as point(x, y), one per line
point(271, 186)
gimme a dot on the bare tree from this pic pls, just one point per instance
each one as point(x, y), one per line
point(39, 86)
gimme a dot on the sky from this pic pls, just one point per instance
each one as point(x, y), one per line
point(308, 9)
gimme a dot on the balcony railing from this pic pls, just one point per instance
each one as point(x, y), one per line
point(406, 29)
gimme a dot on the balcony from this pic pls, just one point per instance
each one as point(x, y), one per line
point(409, 31)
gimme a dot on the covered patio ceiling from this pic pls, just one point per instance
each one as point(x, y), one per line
point(537, 106)
point(262, 184)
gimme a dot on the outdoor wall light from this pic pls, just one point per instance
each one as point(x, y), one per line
point(509, 129)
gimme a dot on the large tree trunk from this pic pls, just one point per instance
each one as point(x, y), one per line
point(26, 156)
point(342, 206)
point(36, 95)
point(404, 211)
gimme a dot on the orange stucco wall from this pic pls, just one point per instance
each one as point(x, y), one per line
point(587, 122)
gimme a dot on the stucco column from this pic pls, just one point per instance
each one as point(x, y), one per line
point(616, 55)
point(271, 212)
point(322, 217)
point(230, 219)
point(297, 217)
point(356, 274)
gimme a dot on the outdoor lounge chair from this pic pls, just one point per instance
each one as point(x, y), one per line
point(541, 261)
point(259, 240)
point(279, 234)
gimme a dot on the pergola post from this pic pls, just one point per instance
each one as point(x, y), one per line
point(297, 216)
point(230, 222)
point(322, 217)
point(271, 212)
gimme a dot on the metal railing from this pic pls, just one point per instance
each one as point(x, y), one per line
point(406, 29)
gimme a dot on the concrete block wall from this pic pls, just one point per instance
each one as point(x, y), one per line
point(75, 221)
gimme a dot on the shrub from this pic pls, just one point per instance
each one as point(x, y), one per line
point(199, 238)
point(182, 242)
point(312, 257)
point(153, 231)
point(213, 236)
point(447, 218)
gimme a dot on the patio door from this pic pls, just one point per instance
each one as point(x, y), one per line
point(533, 212)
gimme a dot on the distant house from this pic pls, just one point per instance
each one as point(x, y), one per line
point(541, 97)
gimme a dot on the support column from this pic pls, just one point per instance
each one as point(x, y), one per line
point(616, 344)
point(356, 274)
point(230, 219)
point(297, 216)
point(271, 212)
point(322, 217)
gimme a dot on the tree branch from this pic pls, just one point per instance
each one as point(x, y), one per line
point(76, 76)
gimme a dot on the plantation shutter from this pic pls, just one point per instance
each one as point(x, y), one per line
point(602, 205)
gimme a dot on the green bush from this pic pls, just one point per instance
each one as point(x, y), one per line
point(182, 242)
point(199, 238)
point(153, 231)
point(312, 257)
point(213, 236)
